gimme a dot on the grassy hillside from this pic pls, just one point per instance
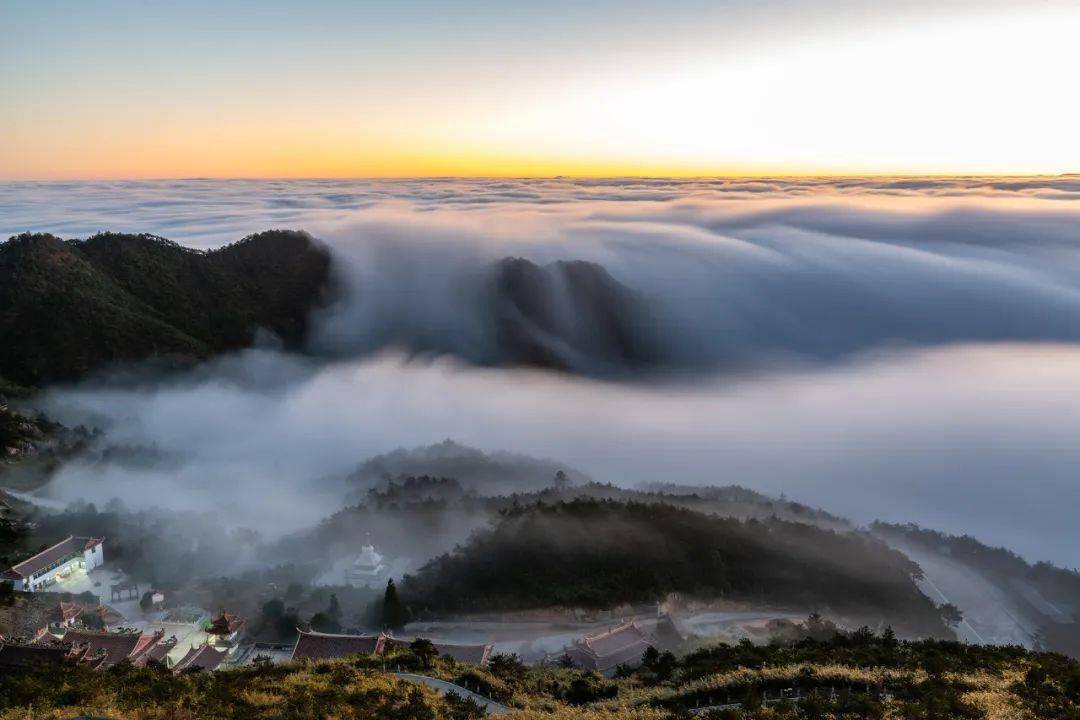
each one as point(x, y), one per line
point(592, 553)
point(68, 308)
point(857, 675)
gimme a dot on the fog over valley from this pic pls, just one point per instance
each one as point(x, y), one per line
point(893, 349)
point(728, 403)
point(619, 360)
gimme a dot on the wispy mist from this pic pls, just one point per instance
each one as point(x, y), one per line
point(901, 349)
point(971, 439)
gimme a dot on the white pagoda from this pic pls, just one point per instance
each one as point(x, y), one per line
point(367, 569)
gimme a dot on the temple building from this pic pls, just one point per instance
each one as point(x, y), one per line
point(105, 649)
point(158, 652)
point(225, 629)
point(621, 645)
point(57, 562)
point(204, 657)
point(31, 617)
point(367, 569)
point(326, 646)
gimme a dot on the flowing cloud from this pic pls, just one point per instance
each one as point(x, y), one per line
point(977, 439)
point(894, 348)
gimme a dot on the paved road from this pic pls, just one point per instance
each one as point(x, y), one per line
point(443, 687)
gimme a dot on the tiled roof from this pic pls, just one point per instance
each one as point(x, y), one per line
point(468, 654)
point(89, 645)
point(225, 624)
point(666, 635)
point(624, 644)
point(67, 611)
point(109, 615)
point(323, 646)
point(145, 643)
point(203, 657)
point(156, 652)
point(615, 639)
point(59, 551)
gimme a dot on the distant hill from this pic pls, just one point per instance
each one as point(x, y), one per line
point(493, 473)
point(1040, 594)
point(68, 308)
point(589, 553)
point(71, 307)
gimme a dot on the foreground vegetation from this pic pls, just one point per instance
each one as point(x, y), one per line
point(856, 675)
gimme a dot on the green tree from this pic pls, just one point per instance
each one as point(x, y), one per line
point(7, 593)
point(394, 613)
point(665, 666)
point(507, 667)
point(425, 651)
point(321, 622)
point(272, 610)
point(951, 614)
point(650, 657)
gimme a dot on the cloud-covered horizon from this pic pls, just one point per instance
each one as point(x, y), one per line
point(913, 341)
point(207, 213)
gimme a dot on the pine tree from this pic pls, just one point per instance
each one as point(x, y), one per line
point(394, 614)
point(334, 610)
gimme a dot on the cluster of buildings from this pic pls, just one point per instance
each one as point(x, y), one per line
point(44, 627)
point(619, 645)
point(103, 648)
point(55, 631)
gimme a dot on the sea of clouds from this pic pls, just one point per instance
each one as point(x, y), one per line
point(902, 349)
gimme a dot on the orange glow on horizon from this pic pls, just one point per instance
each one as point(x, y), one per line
point(883, 101)
point(310, 163)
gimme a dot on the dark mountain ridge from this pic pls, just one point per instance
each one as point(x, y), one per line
point(69, 308)
point(600, 553)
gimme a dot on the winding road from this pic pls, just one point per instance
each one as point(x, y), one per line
point(443, 688)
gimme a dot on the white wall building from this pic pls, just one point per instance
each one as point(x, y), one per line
point(367, 569)
point(63, 558)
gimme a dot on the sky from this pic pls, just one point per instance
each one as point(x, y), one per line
point(126, 89)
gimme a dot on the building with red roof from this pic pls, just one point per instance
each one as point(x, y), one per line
point(104, 649)
point(603, 652)
point(156, 652)
point(225, 628)
point(325, 646)
point(203, 657)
